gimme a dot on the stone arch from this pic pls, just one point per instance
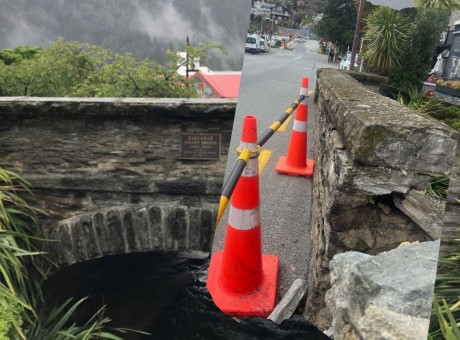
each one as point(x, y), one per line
point(128, 229)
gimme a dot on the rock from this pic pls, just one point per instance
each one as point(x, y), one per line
point(382, 296)
point(383, 324)
point(288, 304)
point(451, 226)
point(378, 131)
point(424, 210)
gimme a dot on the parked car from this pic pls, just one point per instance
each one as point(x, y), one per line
point(252, 43)
point(345, 62)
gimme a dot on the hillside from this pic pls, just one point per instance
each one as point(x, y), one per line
point(145, 28)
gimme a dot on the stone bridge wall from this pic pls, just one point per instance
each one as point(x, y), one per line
point(374, 159)
point(86, 157)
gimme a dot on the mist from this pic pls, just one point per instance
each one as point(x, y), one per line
point(144, 28)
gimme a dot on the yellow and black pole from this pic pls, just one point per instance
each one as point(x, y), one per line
point(229, 186)
point(264, 137)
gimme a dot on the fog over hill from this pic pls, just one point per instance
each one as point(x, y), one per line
point(145, 28)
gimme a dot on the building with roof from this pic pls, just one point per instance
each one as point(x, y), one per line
point(271, 11)
point(218, 84)
point(182, 68)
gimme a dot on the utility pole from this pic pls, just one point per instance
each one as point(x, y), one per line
point(186, 59)
point(356, 36)
point(187, 69)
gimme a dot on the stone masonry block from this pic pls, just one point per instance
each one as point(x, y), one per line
point(378, 131)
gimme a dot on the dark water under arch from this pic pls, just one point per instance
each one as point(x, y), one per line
point(163, 295)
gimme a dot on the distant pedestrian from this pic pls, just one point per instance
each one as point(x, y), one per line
point(336, 52)
point(330, 52)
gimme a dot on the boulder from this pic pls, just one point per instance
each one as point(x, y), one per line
point(383, 296)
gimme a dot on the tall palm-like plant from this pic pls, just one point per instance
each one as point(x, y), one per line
point(446, 4)
point(385, 37)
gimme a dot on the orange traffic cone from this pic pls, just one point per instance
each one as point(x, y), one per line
point(241, 280)
point(296, 162)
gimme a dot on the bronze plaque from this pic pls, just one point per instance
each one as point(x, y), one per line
point(200, 146)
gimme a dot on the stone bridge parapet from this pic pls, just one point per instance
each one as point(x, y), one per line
point(374, 159)
point(87, 157)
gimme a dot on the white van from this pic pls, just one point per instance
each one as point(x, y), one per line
point(263, 45)
point(252, 43)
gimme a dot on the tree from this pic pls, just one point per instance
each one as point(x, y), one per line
point(13, 56)
point(83, 70)
point(385, 39)
point(424, 33)
point(439, 4)
point(338, 22)
point(400, 44)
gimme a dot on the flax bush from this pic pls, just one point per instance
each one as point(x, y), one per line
point(445, 316)
point(21, 277)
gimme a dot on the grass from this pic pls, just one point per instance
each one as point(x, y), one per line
point(445, 316)
point(438, 187)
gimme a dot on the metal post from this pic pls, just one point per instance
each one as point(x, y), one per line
point(186, 60)
point(356, 36)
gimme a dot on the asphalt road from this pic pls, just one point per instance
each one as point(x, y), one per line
point(270, 83)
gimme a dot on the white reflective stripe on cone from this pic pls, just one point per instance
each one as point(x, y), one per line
point(300, 126)
point(303, 91)
point(246, 145)
point(252, 168)
point(243, 219)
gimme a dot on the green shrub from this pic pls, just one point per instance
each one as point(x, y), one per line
point(10, 314)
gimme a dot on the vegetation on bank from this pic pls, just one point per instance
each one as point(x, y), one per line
point(445, 317)
point(414, 64)
point(81, 70)
point(432, 107)
point(396, 44)
point(22, 276)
